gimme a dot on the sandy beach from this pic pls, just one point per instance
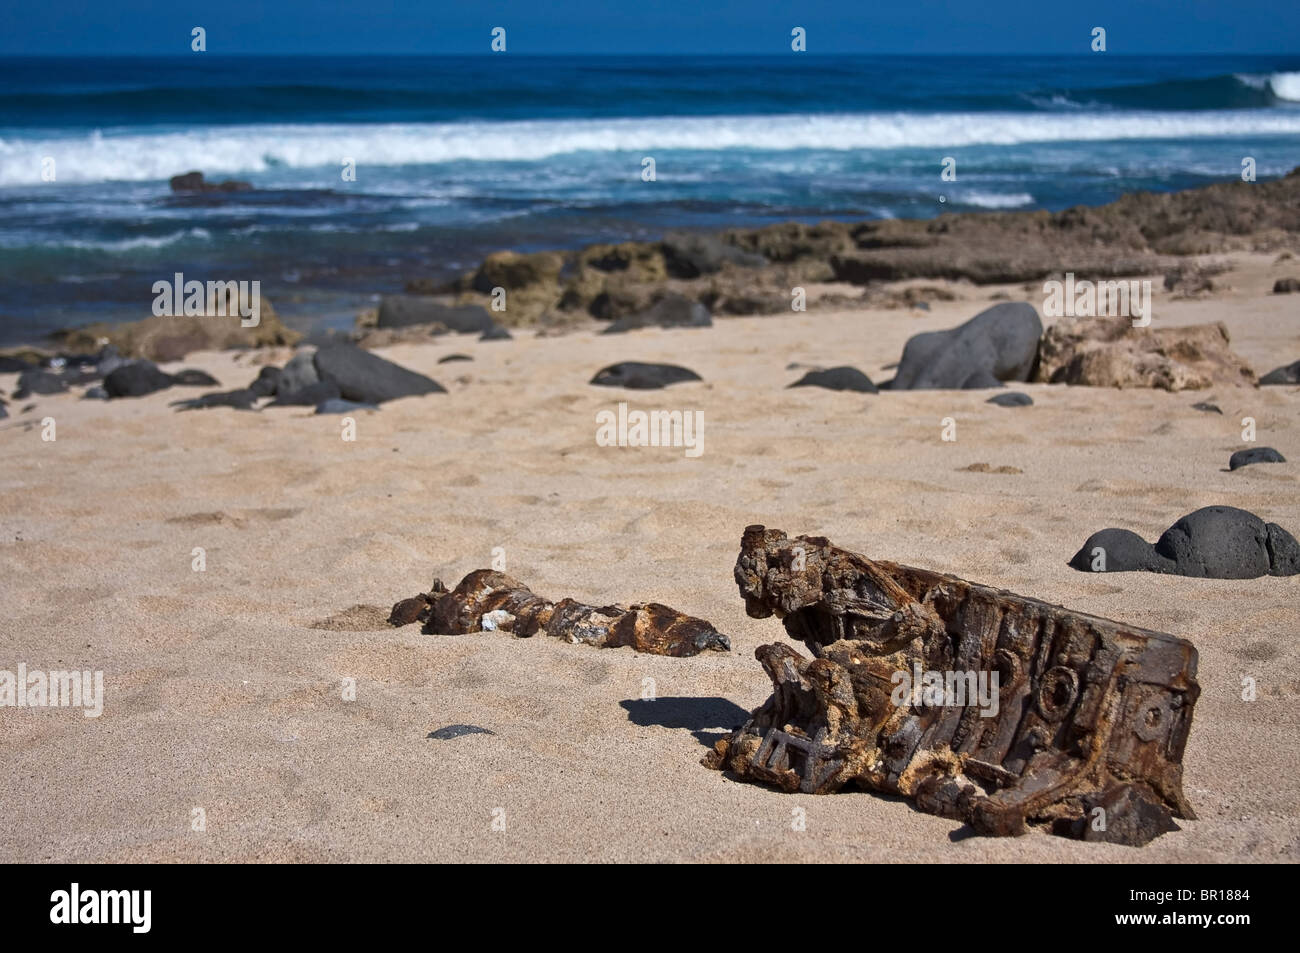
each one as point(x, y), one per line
point(224, 689)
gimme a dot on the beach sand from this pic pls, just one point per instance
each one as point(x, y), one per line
point(224, 688)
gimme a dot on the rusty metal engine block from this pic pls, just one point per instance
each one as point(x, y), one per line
point(1082, 733)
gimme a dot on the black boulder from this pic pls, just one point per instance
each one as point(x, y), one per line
point(635, 375)
point(368, 378)
point(838, 378)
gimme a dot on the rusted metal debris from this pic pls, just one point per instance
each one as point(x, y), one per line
point(1088, 713)
point(487, 600)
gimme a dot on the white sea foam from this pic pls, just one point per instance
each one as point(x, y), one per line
point(1285, 86)
point(993, 199)
point(133, 244)
point(131, 155)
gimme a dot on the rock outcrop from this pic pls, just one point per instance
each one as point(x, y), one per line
point(752, 270)
point(670, 311)
point(400, 311)
point(195, 182)
point(165, 338)
point(1110, 352)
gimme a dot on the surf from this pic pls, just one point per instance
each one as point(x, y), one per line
point(145, 156)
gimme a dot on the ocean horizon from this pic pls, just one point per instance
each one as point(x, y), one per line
point(459, 156)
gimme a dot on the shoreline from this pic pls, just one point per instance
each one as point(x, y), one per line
point(752, 270)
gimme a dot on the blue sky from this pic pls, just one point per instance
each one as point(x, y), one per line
point(106, 27)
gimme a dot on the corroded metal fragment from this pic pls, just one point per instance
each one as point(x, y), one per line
point(487, 600)
point(417, 608)
point(1082, 733)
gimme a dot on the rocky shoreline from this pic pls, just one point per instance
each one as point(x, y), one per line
point(687, 278)
point(755, 270)
point(684, 279)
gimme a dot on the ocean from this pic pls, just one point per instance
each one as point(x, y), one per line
point(459, 156)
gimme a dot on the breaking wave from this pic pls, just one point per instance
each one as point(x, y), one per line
point(127, 156)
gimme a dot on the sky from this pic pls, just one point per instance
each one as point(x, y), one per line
point(150, 27)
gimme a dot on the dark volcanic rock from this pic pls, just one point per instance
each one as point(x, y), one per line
point(267, 383)
point(1283, 551)
point(400, 311)
point(309, 396)
point(1122, 551)
point(1290, 374)
point(36, 381)
point(998, 344)
point(1014, 399)
point(1243, 458)
point(194, 182)
point(982, 380)
point(243, 399)
point(635, 375)
point(298, 372)
point(108, 360)
point(1284, 286)
point(458, 731)
point(136, 380)
point(495, 333)
point(14, 365)
point(671, 311)
point(1207, 407)
point(609, 305)
point(1219, 542)
point(838, 378)
point(81, 377)
point(454, 357)
point(368, 378)
point(1216, 542)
